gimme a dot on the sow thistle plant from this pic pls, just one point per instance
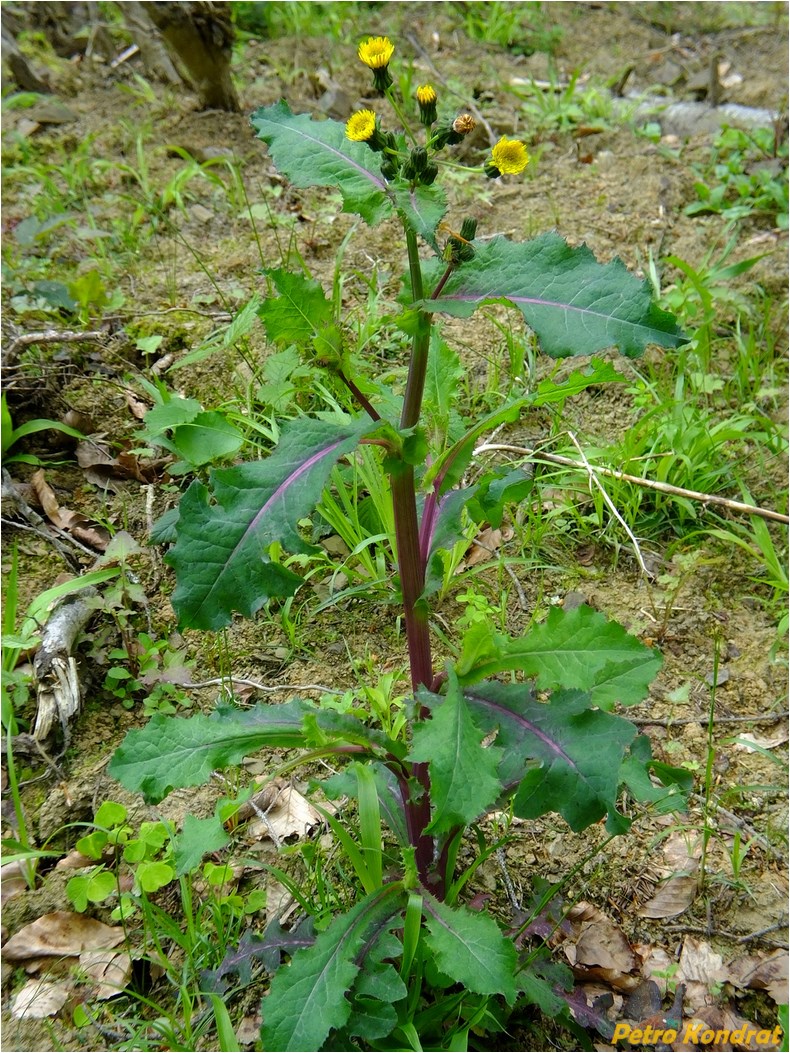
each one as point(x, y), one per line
point(409, 963)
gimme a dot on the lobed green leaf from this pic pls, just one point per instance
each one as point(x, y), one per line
point(172, 752)
point(471, 949)
point(318, 153)
point(220, 556)
point(574, 304)
point(572, 753)
point(307, 999)
point(464, 780)
point(575, 649)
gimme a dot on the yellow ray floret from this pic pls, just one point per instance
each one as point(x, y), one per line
point(426, 94)
point(376, 52)
point(361, 125)
point(510, 156)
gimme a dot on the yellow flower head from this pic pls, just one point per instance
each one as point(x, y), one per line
point(426, 94)
point(361, 125)
point(509, 156)
point(376, 52)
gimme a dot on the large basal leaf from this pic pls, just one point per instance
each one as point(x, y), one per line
point(307, 999)
point(575, 752)
point(463, 773)
point(576, 649)
point(471, 949)
point(318, 153)
point(172, 752)
point(574, 304)
point(220, 557)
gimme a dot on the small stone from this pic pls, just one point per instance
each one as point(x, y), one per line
point(200, 214)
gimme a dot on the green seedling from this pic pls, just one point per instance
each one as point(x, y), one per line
point(404, 961)
point(746, 177)
point(11, 435)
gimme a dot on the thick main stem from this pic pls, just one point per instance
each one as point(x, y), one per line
point(412, 578)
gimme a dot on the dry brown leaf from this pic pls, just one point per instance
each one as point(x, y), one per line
point(654, 960)
point(680, 863)
point(135, 404)
point(39, 999)
point(673, 897)
point(699, 962)
point(279, 902)
point(74, 861)
point(720, 1018)
point(248, 1031)
point(12, 880)
point(111, 971)
point(599, 950)
point(701, 970)
point(767, 971)
point(78, 525)
point(766, 742)
point(485, 546)
point(90, 453)
point(45, 496)
point(61, 933)
point(289, 815)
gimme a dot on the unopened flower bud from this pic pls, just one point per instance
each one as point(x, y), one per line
point(426, 99)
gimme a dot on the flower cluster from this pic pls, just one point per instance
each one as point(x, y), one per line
point(508, 157)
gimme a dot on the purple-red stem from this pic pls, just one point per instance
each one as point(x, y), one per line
point(416, 799)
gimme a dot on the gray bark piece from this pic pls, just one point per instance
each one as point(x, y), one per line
point(57, 683)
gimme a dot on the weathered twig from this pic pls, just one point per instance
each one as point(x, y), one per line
point(50, 336)
point(220, 680)
point(650, 484)
point(669, 722)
